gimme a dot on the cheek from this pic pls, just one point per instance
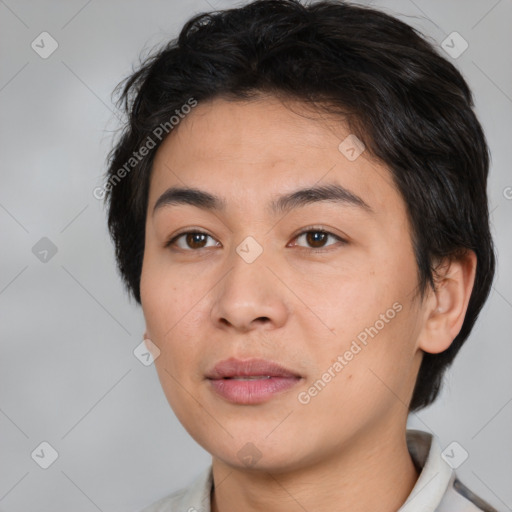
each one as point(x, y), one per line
point(173, 310)
point(387, 366)
point(166, 295)
point(376, 326)
point(374, 380)
point(160, 308)
point(169, 314)
point(349, 305)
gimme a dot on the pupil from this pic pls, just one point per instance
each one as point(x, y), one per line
point(312, 240)
point(192, 238)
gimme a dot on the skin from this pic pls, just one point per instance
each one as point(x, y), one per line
point(346, 449)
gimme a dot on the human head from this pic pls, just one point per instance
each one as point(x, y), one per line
point(411, 108)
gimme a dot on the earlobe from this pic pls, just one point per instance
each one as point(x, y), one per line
point(447, 304)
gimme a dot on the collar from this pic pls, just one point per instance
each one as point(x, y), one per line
point(436, 475)
point(435, 478)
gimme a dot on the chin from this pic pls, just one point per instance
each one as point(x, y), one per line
point(257, 457)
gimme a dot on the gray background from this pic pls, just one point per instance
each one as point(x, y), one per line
point(68, 375)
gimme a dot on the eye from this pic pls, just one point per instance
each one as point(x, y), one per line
point(317, 238)
point(192, 239)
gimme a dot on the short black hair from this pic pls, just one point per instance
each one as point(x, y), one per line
point(411, 108)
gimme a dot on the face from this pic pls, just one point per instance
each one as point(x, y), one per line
point(323, 288)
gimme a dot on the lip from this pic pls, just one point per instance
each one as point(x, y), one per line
point(274, 379)
point(233, 367)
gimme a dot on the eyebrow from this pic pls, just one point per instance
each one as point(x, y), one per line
point(333, 193)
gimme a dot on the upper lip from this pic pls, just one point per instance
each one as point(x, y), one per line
point(233, 367)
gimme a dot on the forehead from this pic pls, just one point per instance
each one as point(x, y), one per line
point(251, 152)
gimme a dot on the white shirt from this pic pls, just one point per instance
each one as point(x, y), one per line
point(436, 490)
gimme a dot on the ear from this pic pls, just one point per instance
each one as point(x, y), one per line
point(446, 306)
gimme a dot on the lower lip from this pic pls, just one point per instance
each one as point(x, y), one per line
point(252, 391)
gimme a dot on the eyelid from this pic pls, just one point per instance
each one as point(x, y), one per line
point(187, 231)
point(319, 229)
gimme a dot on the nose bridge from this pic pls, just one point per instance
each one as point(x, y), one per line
point(249, 290)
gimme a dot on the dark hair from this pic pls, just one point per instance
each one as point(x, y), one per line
point(410, 107)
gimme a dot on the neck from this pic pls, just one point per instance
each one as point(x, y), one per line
point(367, 473)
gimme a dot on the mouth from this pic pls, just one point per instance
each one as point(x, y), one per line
point(254, 377)
point(252, 381)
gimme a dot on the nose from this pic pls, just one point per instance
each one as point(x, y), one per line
point(250, 296)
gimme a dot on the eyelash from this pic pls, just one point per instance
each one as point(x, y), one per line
point(313, 229)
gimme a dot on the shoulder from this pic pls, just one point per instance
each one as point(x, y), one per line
point(438, 488)
point(461, 499)
point(168, 504)
point(193, 498)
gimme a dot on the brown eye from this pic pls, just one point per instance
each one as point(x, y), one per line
point(195, 240)
point(191, 241)
point(316, 239)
